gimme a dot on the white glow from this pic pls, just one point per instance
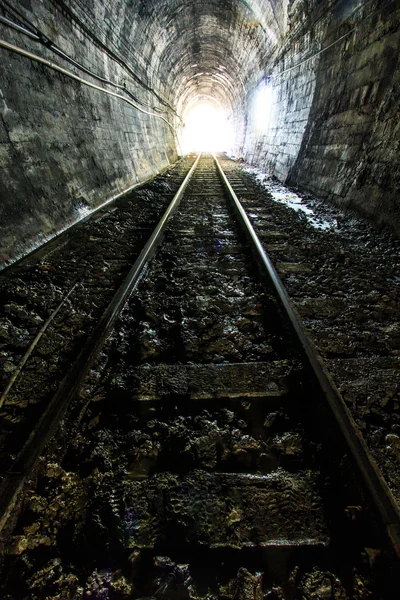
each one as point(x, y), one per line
point(262, 108)
point(206, 129)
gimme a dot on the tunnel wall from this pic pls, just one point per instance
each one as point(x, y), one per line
point(66, 148)
point(276, 147)
point(335, 130)
point(291, 79)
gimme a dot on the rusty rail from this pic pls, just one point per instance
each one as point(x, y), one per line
point(13, 483)
point(380, 493)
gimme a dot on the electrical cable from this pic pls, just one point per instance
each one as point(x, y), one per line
point(314, 55)
point(330, 45)
point(31, 348)
point(39, 37)
point(16, 11)
point(55, 67)
point(43, 39)
point(110, 53)
point(305, 24)
point(19, 28)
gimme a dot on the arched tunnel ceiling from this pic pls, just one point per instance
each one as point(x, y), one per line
point(204, 49)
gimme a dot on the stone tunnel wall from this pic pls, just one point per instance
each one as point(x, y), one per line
point(335, 127)
point(66, 148)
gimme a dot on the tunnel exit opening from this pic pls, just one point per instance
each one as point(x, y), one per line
point(206, 129)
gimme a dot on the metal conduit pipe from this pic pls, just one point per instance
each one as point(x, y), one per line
point(55, 67)
point(98, 42)
point(19, 28)
point(43, 40)
point(57, 50)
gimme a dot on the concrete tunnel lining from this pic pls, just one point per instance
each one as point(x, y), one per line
point(66, 149)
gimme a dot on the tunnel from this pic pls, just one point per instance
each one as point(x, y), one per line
point(199, 299)
point(95, 97)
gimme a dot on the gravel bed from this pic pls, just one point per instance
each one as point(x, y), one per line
point(343, 275)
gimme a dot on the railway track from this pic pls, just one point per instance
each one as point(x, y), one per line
point(61, 291)
point(344, 284)
point(203, 451)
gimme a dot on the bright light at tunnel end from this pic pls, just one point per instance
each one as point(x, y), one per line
point(207, 129)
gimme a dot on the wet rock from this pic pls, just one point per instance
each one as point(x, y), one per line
point(150, 341)
point(121, 586)
point(16, 310)
point(275, 594)
point(392, 335)
point(17, 337)
point(289, 443)
point(320, 307)
point(393, 444)
point(338, 344)
point(52, 582)
point(254, 310)
point(98, 586)
point(9, 367)
point(53, 470)
point(17, 545)
point(245, 586)
point(322, 585)
point(4, 333)
point(50, 344)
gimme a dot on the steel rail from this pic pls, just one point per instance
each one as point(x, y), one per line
point(381, 495)
point(14, 481)
point(58, 235)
